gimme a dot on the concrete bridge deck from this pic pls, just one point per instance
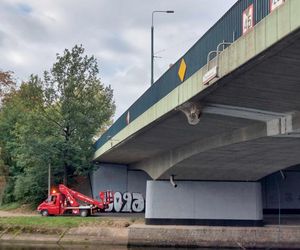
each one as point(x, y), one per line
point(216, 139)
point(249, 124)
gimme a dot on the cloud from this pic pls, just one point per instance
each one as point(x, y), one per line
point(117, 32)
point(24, 8)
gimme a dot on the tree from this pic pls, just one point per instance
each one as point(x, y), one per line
point(17, 113)
point(9, 116)
point(7, 82)
point(78, 105)
point(7, 85)
point(53, 121)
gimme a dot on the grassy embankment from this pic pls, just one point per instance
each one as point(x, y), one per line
point(36, 223)
point(56, 224)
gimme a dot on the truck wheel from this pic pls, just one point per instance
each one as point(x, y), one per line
point(83, 213)
point(45, 213)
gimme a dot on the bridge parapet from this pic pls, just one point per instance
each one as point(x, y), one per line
point(264, 35)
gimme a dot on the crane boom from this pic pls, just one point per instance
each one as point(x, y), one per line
point(72, 195)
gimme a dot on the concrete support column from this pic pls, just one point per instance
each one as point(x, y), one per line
point(204, 203)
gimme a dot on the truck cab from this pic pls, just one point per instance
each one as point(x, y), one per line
point(52, 205)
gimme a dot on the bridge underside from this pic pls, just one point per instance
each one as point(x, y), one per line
point(212, 173)
point(249, 126)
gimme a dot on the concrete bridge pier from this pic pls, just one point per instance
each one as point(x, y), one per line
point(204, 203)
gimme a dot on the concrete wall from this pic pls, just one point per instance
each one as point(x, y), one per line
point(204, 200)
point(136, 181)
point(82, 184)
point(129, 186)
point(109, 177)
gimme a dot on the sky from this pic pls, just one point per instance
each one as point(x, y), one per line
point(116, 32)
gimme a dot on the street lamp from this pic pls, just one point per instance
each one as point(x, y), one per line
point(152, 39)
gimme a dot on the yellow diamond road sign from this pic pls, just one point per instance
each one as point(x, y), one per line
point(182, 70)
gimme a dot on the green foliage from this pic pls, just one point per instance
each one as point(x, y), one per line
point(6, 82)
point(52, 121)
point(78, 105)
point(10, 206)
point(54, 222)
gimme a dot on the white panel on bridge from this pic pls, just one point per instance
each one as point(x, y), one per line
point(200, 200)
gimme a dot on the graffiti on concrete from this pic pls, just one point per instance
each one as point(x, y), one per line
point(127, 202)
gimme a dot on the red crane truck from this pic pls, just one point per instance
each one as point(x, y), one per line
point(67, 201)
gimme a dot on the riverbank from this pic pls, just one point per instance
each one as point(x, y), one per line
point(287, 237)
point(126, 230)
point(159, 236)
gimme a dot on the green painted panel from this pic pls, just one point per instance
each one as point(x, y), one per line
point(260, 36)
point(271, 28)
point(284, 19)
point(241, 50)
point(232, 51)
point(180, 94)
point(249, 45)
point(224, 62)
point(295, 16)
point(194, 83)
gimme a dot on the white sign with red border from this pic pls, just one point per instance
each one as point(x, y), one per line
point(274, 4)
point(209, 75)
point(248, 19)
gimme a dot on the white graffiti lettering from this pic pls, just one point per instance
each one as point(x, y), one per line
point(127, 202)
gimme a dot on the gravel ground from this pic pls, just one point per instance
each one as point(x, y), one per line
point(16, 214)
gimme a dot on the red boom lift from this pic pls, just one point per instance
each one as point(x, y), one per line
point(66, 202)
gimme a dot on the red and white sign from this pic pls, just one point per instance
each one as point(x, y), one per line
point(248, 19)
point(209, 75)
point(275, 4)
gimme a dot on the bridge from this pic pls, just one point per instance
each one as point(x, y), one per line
point(222, 118)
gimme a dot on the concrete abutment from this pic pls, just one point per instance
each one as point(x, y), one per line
point(204, 203)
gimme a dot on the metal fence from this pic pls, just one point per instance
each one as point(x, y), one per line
point(229, 27)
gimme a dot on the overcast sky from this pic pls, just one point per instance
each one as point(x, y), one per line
point(117, 32)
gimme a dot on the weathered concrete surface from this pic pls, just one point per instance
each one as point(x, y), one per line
point(103, 235)
point(219, 145)
point(287, 237)
point(195, 236)
point(28, 237)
